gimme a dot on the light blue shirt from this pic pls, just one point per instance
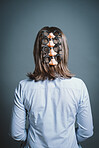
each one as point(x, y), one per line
point(53, 107)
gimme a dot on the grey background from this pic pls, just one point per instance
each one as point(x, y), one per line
point(20, 22)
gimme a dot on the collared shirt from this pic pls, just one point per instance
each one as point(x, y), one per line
point(53, 109)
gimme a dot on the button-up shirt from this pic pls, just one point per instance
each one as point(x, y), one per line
point(59, 113)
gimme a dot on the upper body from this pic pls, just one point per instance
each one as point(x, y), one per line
point(53, 108)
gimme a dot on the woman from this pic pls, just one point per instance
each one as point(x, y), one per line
point(57, 103)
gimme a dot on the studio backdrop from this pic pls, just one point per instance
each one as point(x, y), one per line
point(20, 21)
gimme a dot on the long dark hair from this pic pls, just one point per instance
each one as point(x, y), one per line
point(42, 70)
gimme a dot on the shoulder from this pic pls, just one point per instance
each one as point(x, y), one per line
point(28, 84)
point(22, 87)
point(24, 83)
point(74, 82)
point(77, 80)
point(81, 85)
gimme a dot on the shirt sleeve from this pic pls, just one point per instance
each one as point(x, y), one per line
point(18, 131)
point(84, 116)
